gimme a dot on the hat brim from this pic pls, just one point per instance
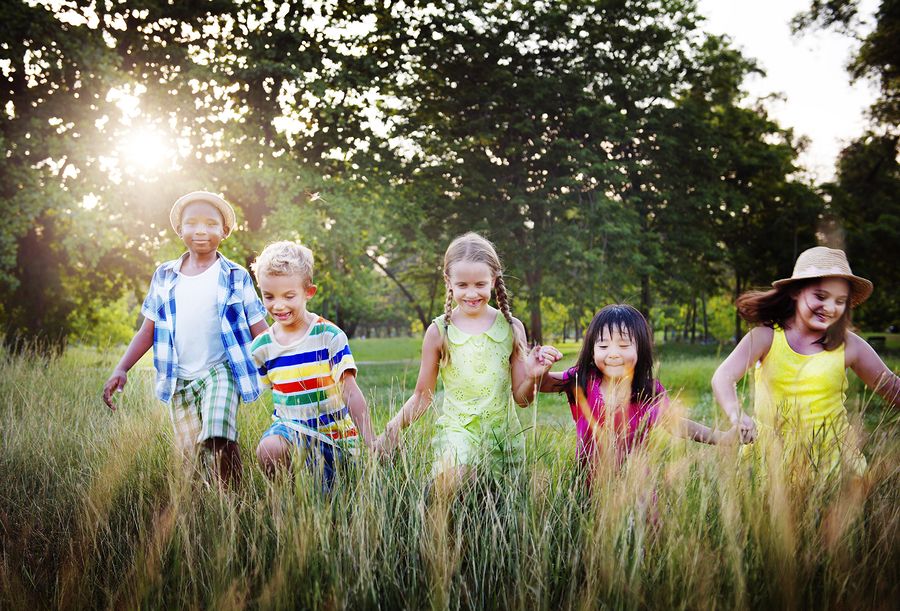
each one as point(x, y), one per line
point(860, 288)
point(221, 205)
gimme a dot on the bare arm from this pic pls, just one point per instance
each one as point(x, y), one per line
point(258, 327)
point(553, 382)
point(865, 362)
point(689, 429)
point(528, 373)
point(359, 409)
point(422, 396)
point(140, 343)
point(753, 347)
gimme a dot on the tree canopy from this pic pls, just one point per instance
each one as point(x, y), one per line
point(606, 147)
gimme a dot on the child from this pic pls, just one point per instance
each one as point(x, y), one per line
point(803, 346)
point(200, 315)
point(612, 393)
point(479, 352)
point(307, 363)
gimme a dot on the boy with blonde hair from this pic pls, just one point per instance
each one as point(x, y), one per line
point(306, 361)
point(200, 315)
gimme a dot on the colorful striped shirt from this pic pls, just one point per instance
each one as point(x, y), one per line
point(305, 381)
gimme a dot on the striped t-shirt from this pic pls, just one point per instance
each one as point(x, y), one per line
point(305, 381)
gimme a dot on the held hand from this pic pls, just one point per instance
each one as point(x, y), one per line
point(387, 442)
point(115, 383)
point(731, 437)
point(746, 428)
point(541, 359)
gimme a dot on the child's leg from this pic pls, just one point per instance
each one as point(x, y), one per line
point(274, 452)
point(218, 416)
point(227, 460)
point(185, 419)
point(322, 459)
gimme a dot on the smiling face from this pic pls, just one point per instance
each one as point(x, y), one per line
point(471, 284)
point(285, 298)
point(202, 228)
point(822, 303)
point(615, 353)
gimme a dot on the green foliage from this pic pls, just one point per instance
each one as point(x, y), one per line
point(106, 325)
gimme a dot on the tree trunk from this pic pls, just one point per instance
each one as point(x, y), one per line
point(705, 320)
point(738, 287)
point(419, 312)
point(694, 321)
point(645, 295)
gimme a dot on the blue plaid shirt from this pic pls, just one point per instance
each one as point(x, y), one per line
point(239, 308)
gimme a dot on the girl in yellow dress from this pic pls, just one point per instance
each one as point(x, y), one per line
point(801, 348)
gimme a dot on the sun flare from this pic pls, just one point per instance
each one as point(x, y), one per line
point(145, 149)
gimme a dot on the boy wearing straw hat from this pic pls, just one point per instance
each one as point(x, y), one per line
point(200, 315)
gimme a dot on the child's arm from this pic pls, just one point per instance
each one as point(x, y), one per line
point(140, 343)
point(866, 363)
point(753, 347)
point(359, 410)
point(258, 327)
point(688, 429)
point(553, 382)
point(422, 396)
point(528, 373)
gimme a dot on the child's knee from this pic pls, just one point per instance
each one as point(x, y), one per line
point(272, 454)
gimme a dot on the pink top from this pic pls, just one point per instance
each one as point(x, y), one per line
point(629, 426)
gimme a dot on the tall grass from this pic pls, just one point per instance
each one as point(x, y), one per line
point(97, 511)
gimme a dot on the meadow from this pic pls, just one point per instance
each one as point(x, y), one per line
point(96, 511)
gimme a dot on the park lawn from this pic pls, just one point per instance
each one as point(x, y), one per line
point(95, 511)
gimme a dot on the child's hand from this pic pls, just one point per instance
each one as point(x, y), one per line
point(541, 359)
point(116, 382)
point(731, 437)
point(746, 427)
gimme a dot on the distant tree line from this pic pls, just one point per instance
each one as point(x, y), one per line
point(606, 147)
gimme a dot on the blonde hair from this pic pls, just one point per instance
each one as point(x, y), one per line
point(476, 249)
point(285, 259)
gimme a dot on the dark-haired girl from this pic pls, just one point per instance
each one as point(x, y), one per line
point(614, 398)
point(801, 348)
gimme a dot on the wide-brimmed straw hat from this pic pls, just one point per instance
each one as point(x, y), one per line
point(822, 262)
point(202, 196)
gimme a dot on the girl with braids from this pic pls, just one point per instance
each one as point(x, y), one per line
point(614, 398)
point(479, 352)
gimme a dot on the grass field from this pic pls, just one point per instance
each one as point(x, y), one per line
point(96, 511)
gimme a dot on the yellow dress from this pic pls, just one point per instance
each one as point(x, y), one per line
point(799, 403)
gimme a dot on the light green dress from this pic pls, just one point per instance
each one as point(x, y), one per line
point(479, 426)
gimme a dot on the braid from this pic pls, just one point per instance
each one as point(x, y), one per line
point(519, 348)
point(502, 298)
point(448, 307)
point(448, 311)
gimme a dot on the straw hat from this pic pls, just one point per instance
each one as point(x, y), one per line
point(821, 262)
point(202, 196)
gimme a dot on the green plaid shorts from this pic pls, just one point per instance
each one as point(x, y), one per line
point(205, 407)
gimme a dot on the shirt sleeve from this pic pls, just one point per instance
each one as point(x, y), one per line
point(252, 304)
point(151, 302)
point(340, 355)
point(259, 360)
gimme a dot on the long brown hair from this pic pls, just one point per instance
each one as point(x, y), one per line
point(476, 249)
point(778, 305)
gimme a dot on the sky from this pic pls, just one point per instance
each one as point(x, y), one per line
point(808, 69)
